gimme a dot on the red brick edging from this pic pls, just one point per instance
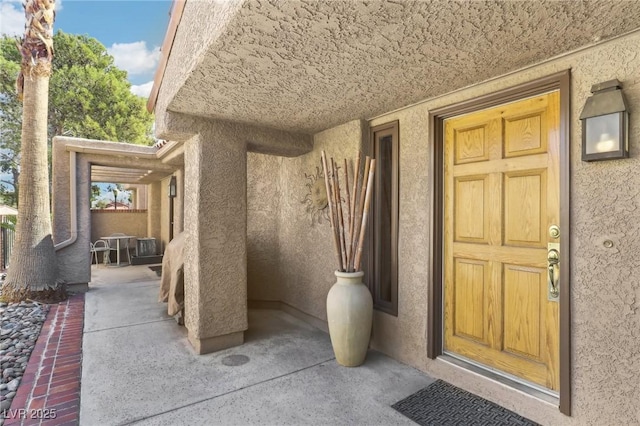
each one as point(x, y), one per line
point(49, 393)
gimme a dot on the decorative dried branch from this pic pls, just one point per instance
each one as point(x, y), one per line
point(336, 188)
point(359, 211)
point(348, 248)
point(336, 244)
point(354, 194)
point(348, 218)
point(365, 215)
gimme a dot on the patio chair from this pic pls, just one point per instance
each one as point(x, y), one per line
point(100, 246)
point(124, 246)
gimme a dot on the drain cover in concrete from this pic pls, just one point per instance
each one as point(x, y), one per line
point(235, 360)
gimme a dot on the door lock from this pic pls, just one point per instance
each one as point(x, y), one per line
point(553, 267)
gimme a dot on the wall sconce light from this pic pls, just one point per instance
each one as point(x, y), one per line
point(605, 123)
point(172, 187)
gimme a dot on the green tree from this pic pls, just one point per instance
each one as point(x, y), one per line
point(95, 193)
point(10, 122)
point(89, 97)
point(101, 204)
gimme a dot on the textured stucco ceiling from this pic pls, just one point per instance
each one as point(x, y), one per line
point(306, 66)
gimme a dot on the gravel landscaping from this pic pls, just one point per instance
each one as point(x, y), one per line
point(19, 330)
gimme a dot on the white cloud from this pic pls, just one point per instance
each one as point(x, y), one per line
point(11, 19)
point(142, 89)
point(135, 57)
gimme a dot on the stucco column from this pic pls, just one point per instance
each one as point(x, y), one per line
point(154, 203)
point(141, 193)
point(215, 246)
point(134, 198)
point(74, 260)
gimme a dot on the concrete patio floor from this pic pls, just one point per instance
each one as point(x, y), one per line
point(139, 368)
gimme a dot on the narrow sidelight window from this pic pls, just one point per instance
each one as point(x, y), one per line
point(383, 248)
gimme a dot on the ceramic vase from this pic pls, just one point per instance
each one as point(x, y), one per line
point(349, 314)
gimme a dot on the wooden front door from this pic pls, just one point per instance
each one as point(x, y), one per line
point(501, 178)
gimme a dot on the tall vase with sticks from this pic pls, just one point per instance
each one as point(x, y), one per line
point(349, 302)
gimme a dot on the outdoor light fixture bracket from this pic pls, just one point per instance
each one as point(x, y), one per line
point(605, 123)
point(172, 187)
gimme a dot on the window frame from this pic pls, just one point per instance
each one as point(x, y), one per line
point(373, 278)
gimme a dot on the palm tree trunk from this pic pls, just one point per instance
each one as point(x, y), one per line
point(16, 185)
point(33, 272)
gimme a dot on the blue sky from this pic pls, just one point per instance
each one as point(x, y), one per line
point(131, 30)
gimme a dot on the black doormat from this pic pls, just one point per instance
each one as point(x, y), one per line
point(441, 404)
point(157, 269)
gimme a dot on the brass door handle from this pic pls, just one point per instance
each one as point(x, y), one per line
point(553, 259)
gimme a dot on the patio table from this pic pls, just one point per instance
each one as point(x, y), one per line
point(118, 238)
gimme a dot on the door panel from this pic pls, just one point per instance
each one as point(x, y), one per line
point(525, 199)
point(525, 135)
point(471, 145)
point(472, 278)
point(501, 195)
point(524, 289)
point(472, 195)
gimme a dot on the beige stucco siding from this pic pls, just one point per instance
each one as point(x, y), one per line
point(404, 337)
point(290, 256)
point(105, 222)
point(197, 27)
point(306, 253)
point(154, 214)
point(74, 258)
point(605, 323)
point(263, 220)
point(215, 245)
point(605, 282)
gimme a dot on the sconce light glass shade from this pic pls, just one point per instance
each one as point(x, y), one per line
point(605, 137)
point(605, 123)
point(172, 187)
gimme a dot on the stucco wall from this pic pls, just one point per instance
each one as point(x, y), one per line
point(290, 255)
point(138, 195)
point(154, 214)
point(73, 260)
point(263, 220)
point(605, 282)
point(306, 248)
point(215, 226)
point(605, 323)
point(106, 222)
point(195, 33)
